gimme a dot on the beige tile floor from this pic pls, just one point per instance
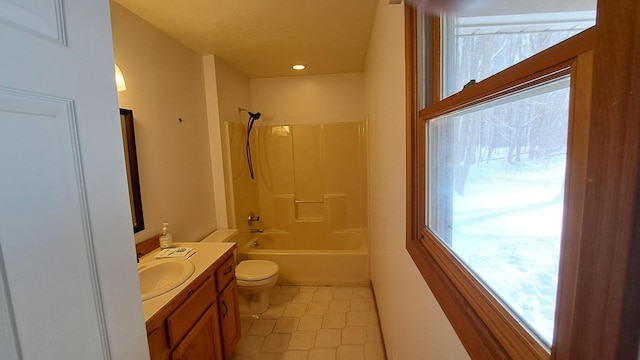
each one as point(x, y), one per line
point(313, 323)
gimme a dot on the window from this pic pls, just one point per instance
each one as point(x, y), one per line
point(477, 46)
point(495, 192)
point(597, 312)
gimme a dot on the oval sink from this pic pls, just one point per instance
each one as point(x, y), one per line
point(159, 276)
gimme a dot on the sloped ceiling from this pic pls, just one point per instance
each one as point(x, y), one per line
point(263, 38)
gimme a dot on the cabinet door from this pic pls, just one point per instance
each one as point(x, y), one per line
point(201, 343)
point(158, 348)
point(229, 318)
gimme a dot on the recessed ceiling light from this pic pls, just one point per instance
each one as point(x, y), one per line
point(299, 67)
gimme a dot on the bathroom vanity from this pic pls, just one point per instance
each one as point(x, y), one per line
point(198, 319)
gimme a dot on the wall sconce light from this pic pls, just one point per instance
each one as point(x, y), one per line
point(120, 85)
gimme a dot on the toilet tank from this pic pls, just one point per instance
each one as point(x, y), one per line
point(221, 236)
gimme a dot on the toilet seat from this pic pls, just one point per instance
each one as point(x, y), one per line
point(256, 272)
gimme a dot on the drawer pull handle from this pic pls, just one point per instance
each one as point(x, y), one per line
point(191, 292)
point(226, 310)
point(228, 271)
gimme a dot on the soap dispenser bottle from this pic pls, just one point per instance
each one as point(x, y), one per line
point(165, 238)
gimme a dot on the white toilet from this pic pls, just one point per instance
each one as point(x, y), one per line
point(255, 278)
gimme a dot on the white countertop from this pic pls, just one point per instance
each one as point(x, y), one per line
point(206, 254)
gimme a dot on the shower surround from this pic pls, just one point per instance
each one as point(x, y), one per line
point(310, 191)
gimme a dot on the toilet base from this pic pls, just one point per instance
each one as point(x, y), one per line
point(255, 278)
point(253, 303)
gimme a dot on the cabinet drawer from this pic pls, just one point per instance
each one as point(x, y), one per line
point(225, 273)
point(183, 319)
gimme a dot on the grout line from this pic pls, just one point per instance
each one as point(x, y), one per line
point(249, 322)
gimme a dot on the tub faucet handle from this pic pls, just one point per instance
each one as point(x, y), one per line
point(258, 231)
point(252, 218)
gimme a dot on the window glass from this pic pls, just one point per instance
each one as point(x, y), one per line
point(480, 44)
point(495, 191)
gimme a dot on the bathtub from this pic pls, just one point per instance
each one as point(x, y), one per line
point(342, 259)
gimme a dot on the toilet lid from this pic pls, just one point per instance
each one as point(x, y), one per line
point(253, 270)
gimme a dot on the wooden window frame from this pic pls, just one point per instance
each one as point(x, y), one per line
point(597, 314)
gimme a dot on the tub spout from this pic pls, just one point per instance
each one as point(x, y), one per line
point(259, 231)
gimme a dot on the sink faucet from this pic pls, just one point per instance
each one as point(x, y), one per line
point(259, 231)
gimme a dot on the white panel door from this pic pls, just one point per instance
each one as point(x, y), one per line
point(68, 280)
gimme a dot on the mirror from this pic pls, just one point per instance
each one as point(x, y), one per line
point(131, 161)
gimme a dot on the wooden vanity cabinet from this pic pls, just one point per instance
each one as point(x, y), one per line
point(202, 321)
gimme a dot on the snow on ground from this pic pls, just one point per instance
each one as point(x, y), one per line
point(507, 227)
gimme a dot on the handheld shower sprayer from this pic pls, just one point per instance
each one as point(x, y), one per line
point(252, 117)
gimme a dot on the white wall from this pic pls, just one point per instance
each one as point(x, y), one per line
point(309, 99)
point(413, 324)
point(232, 94)
point(165, 81)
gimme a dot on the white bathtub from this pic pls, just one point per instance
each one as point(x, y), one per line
point(339, 259)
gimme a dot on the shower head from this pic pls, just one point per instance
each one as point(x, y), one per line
point(252, 116)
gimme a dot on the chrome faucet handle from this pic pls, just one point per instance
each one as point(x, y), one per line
point(252, 218)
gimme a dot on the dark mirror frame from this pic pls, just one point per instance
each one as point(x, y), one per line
point(131, 160)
